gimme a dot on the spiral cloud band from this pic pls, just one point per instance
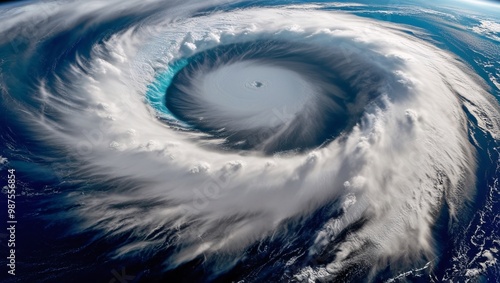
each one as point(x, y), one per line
point(209, 134)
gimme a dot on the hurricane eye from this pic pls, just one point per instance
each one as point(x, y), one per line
point(271, 96)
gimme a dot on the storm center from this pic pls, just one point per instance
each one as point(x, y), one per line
point(256, 84)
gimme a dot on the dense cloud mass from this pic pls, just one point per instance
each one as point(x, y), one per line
point(206, 131)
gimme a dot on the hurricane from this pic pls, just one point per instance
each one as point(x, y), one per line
point(250, 141)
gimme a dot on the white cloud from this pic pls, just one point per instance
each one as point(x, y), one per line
point(489, 29)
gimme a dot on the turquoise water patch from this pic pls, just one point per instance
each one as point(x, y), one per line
point(156, 92)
